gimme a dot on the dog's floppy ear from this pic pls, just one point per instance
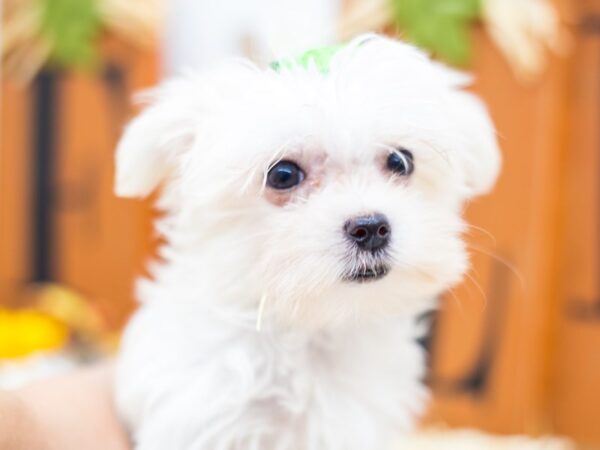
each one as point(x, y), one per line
point(153, 142)
point(479, 152)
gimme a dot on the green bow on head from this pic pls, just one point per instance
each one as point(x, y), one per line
point(317, 57)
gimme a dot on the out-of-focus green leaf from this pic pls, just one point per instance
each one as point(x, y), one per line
point(72, 28)
point(440, 26)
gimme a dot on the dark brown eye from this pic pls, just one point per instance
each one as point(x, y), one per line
point(401, 162)
point(284, 175)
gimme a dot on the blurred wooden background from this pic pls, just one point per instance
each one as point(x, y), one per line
point(524, 354)
point(515, 349)
point(59, 219)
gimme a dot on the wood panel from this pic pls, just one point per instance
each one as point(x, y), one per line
point(517, 347)
point(492, 347)
point(15, 189)
point(61, 222)
point(575, 394)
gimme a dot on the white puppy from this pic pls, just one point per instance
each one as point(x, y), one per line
point(312, 211)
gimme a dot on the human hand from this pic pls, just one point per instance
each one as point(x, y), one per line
point(69, 412)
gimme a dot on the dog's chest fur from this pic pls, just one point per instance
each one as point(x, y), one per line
point(193, 378)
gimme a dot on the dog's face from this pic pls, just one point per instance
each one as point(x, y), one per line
point(325, 197)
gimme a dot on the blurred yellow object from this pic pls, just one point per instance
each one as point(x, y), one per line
point(88, 327)
point(57, 314)
point(27, 331)
point(70, 308)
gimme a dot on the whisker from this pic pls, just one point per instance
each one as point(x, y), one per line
point(485, 232)
point(479, 288)
point(501, 260)
point(261, 309)
point(457, 301)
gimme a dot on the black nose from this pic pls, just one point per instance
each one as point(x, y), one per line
point(369, 232)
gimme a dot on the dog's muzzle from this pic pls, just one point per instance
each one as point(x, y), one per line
point(369, 235)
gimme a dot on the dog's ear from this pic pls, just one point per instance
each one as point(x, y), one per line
point(480, 158)
point(155, 140)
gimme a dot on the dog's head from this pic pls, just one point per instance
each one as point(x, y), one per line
point(329, 193)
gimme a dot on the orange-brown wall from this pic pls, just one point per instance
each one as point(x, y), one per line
point(517, 347)
point(99, 242)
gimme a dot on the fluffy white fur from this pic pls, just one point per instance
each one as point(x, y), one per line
point(334, 364)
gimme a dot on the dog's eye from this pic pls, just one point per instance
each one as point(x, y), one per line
point(284, 175)
point(401, 162)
